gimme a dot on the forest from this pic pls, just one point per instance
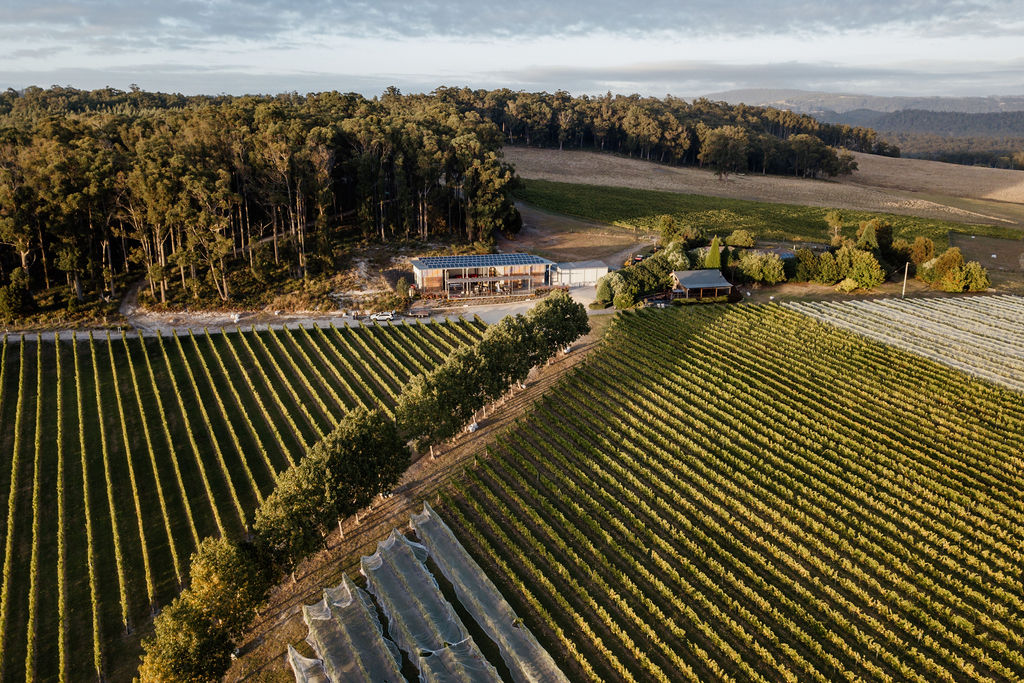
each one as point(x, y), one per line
point(669, 129)
point(210, 198)
point(194, 194)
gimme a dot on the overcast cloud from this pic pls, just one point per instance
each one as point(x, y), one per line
point(686, 48)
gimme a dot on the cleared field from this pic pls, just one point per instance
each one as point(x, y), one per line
point(982, 336)
point(746, 493)
point(640, 210)
point(910, 187)
point(119, 455)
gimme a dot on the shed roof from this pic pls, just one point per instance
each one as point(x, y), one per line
point(580, 265)
point(477, 261)
point(701, 279)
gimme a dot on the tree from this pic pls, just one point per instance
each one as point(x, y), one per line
point(922, 250)
point(725, 150)
point(828, 269)
point(762, 267)
point(227, 583)
point(865, 270)
point(668, 228)
point(714, 255)
point(866, 237)
point(186, 646)
point(807, 266)
point(834, 221)
point(740, 238)
point(558, 322)
point(604, 290)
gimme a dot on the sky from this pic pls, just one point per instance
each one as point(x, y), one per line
point(681, 47)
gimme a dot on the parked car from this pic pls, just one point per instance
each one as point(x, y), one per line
point(383, 315)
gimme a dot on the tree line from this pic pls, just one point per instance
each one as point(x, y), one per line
point(200, 194)
point(364, 456)
point(669, 129)
point(861, 262)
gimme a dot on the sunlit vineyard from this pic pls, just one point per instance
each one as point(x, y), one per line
point(118, 455)
point(746, 493)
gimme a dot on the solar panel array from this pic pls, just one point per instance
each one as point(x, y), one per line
point(478, 261)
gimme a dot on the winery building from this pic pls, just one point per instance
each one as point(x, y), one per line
point(687, 284)
point(480, 275)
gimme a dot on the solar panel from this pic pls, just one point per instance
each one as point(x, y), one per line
point(478, 261)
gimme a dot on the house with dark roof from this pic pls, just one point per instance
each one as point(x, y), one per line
point(480, 275)
point(699, 284)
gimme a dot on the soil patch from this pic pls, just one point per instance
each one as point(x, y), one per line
point(564, 238)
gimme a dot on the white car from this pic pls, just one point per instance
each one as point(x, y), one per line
point(383, 315)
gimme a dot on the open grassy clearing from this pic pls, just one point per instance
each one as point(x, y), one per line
point(123, 453)
point(910, 187)
point(746, 493)
point(640, 210)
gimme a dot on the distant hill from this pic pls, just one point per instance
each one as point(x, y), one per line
point(807, 101)
point(945, 123)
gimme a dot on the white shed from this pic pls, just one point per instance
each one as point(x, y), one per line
point(578, 273)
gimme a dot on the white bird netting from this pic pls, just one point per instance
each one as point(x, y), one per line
point(420, 619)
point(306, 670)
point(457, 662)
point(526, 659)
point(346, 634)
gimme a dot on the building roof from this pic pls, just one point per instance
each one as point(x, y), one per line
point(707, 278)
point(477, 261)
point(580, 265)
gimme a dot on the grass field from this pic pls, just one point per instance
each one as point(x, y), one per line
point(725, 493)
point(118, 455)
point(640, 210)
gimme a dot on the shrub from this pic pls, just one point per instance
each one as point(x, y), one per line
point(847, 285)
point(936, 269)
point(604, 290)
point(977, 277)
point(623, 301)
point(740, 238)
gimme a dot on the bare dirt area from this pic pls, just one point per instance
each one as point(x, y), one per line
point(919, 175)
point(563, 238)
point(993, 253)
point(881, 187)
point(262, 651)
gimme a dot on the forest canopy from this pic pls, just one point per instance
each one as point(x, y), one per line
point(200, 195)
point(191, 192)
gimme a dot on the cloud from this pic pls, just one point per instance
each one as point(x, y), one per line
point(680, 78)
point(189, 22)
point(690, 78)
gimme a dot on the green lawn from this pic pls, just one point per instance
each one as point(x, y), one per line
point(640, 210)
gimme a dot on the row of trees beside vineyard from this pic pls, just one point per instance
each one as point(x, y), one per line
point(727, 138)
point(363, 456)
point(436, 405)
point(204, 196)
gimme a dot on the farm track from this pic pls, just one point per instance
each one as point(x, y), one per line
point(122, 453)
